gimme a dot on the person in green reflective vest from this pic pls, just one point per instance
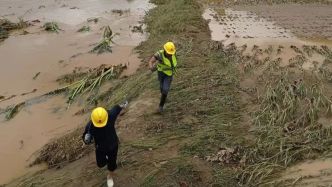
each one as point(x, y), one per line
point(166, 69)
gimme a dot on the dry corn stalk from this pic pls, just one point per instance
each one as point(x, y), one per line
point(104, 45)
point(91, 82)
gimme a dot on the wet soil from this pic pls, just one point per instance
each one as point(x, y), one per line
point(292, 29)
point(244, 28)
point(23, 56)
point(313, 21)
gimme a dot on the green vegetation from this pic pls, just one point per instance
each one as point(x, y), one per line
point(14, 110)
point(92, 19)
point(6, 25)
point(52, 27)
point(288, 130)
point(120, 12)
point(104, 45)
point(35, 76)
point(84, 29)
point(89, 82)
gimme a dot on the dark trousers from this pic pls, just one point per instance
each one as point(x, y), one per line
point(108, 158)
point(165, 84)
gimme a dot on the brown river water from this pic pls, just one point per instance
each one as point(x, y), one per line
point(22, 56)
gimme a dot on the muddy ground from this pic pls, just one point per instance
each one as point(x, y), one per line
point(251, 105)
point(280, 34)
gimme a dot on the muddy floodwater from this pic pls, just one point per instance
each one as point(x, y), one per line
point(23, 56)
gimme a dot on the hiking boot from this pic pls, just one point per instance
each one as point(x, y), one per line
point(110, 182)
point(160, 109)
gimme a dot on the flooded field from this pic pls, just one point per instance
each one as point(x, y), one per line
point(245, 28)
point(46, 56)
point(274, 46)
point(311, 21)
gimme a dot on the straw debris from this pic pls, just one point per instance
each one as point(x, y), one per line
point(33, 91)
point(6, 25)
point(65, 149)
point(92, 19)
point(2, 98)
point(120, 12)
point(287, 126)
point(35, 76)
point(90, 81)
point(226, 156)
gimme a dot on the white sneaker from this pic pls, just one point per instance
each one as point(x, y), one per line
point(110, 182)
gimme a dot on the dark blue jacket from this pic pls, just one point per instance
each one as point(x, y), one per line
point(105, 137)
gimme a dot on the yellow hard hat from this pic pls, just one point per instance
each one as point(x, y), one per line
point(169, 48)
point(99, 117)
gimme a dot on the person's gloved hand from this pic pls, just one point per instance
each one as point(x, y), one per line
point(87, 138)
point(124, 104)
point(153, 69)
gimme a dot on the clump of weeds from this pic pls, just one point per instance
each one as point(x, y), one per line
point(6, 25)
point(92, 19)
point(13, 111)
point(120, 12)
point(84, 29)
point(52, 27)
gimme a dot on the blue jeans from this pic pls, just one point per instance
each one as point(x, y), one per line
point(165, 82)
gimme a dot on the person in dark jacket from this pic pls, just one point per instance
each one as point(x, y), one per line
point(101, 129)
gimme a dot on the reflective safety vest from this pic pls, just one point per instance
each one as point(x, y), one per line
point(165, 65)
